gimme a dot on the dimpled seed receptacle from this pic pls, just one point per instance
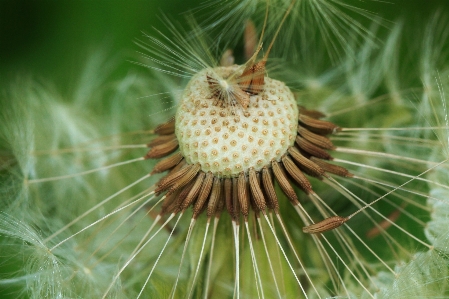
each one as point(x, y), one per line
point(227, 139)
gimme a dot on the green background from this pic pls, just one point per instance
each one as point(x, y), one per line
point(50, 40)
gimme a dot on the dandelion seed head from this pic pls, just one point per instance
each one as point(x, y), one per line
point(227, 139)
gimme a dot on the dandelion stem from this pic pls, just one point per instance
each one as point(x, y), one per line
point(278, 254)
point(388, 193)
point(138, 251)
point(199, 260)
point(268, 257)
point(116, 229)
point(289, 9)
point(347, 267)
point(390, 171)
point(286, 258)
point(254, 262)
point(236, 230)
point(380, 154)
point(209, 266)
point(407, 201)
point(388, 238)
point(395, 129)
point(354, 107)
point(382, 183)
point(99, 220)
point(62, 177)
point(88, 149)
point(189, 233)
point(95, 207)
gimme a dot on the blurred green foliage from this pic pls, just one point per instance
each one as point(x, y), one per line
point(51, 39)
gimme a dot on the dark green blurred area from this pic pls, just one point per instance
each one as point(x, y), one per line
point(51, 39)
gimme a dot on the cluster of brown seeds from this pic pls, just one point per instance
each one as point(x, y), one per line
point(188, 184)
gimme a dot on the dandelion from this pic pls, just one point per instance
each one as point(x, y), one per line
point(266, 182)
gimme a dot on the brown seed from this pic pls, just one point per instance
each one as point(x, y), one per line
point(169, 203)
point(267, 180)
point(235, 199)
point(167, 163)
point(178, 166)
point(297, 174)
point(162, 150)
point(335, 169)
point(282, 179)
point(220, 206)
point(253, 77)
point(241, 96)
point(243, 195)
point(191, 194)
point(166, 203)
point(174, 207)
point(166, 128)
point(312, 149)
point(319, 140)
point(214, 197)
point(183, 192)
point(185, 179)
point(228, 196)
point(161, 140)
point(253, 205)
point(172, 178)
point(325, 225)
point(305, 164)
point(311, 113)
point(318, 126)
point(256, 191)
point(203, 195)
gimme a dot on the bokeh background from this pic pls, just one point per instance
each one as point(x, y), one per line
point(50, 40)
